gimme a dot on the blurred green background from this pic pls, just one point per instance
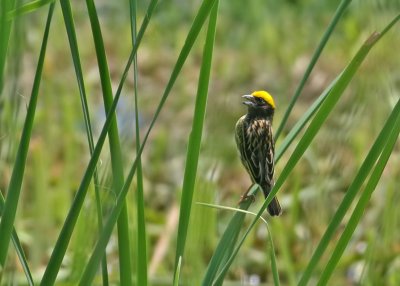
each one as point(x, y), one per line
point(267, 45)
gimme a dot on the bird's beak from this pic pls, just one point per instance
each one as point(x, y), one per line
point(249, 100)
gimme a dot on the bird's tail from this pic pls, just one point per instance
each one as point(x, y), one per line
point(274, 208)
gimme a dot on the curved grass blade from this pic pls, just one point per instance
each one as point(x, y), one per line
point(14, 189)
point(302, 122)
point(227, 241)
point(177, 272)
point(274, 268)
point(18, 248)
point(319, 118)
point(65, 235)
point(115, 147)
point(351, 193)
point(338, 14)
point(353, 188)
point(193, 152)
point(27, 8)
point(5, 30)
point(141, 246)
point(82, 91)
point(198, 23)
point(362, 203)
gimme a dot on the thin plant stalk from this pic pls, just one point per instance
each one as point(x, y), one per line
point(115, 147)
point(18, 248)
point(362, 204)
point(66, 232)
point(5, 29)
point(14, 188)
point(198, 23)
point(310, 133)
point(86, 115)
point(141, 245)
point(194, 144)
point(324, 40)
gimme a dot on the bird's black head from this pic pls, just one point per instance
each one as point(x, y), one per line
point(260, 103)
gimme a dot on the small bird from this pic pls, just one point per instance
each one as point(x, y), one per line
point(253, 134)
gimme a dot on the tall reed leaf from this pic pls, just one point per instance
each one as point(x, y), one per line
point(198, 23)
point(351, 193)
point(227, 241)
point(301, 123)
point(14, 188)
point(359, 179)
point(274, 268)
point(27, 8)
point(319, 118)
point(86, 114)
point(338, 14)
point(5, 29)
point(141, 245)
point(65, 235)
point(363, 201)
point(115, 147)
point(193, 152)
point(18, 248)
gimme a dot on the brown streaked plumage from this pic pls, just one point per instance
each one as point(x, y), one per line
point(256, 144)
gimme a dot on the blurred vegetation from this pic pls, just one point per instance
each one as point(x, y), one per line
point(267, 45)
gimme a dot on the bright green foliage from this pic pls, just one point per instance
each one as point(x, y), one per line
point(184, 96)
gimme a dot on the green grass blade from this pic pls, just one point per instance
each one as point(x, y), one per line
point(198, 22)
point(14, 189)
point(223, 263)
point(18, 248)
point(351, 193)
point(5, 30)
point(115, 147)
point(274, 267)
point(362, 203)
point(319, 118)
point(27, 8)
point(338, 14)
point(194, 144)
point(141, 245)
point(301, 123)
point(177, 272)
point(69, 224)
point(82, 91)
point(227, 242)
point(22, 257)
point(322, 114)
point(104, 267)
point(352, 190)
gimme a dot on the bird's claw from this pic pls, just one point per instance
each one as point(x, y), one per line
point(245, 197)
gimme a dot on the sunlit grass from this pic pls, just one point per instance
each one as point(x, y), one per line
point(208, 246)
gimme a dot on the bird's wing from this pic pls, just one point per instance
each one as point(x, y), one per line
point(242, 144)
point(259, 152)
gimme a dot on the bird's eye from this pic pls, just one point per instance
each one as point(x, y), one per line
point(260, 100)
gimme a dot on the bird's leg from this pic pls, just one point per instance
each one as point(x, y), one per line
point(245, 196)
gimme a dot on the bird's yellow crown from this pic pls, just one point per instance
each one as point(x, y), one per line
point(266, 96)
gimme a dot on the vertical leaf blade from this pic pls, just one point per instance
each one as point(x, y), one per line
point(324, 40)
point(198, 22)
point(319, 118)
point(363, 201)
point(115, 146)
point(193, 152)
point(14, 189)
point(66, 232)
